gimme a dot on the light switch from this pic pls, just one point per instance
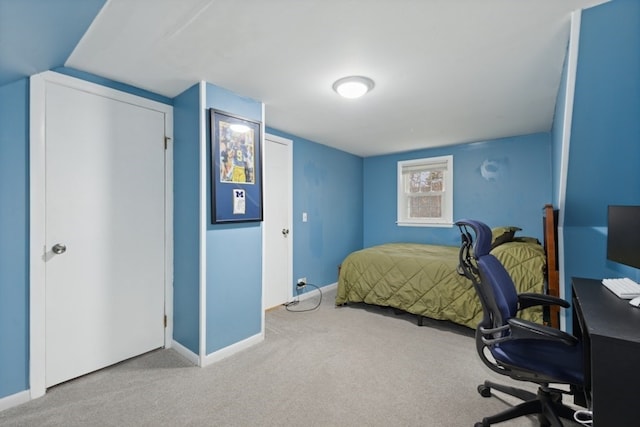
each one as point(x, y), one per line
point(304, 217)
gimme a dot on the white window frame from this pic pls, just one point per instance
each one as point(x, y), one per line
point(446, 219)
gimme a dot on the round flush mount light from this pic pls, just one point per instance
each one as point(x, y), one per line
point(353, 86)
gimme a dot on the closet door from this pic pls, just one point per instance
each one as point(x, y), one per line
point(105, 231)
point(277, 228)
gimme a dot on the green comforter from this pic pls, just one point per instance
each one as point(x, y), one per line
point(422, 279)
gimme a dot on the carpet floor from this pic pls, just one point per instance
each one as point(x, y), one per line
point(356, 365)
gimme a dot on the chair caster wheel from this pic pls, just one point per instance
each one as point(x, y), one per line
point(484, 390)
point(481, 424)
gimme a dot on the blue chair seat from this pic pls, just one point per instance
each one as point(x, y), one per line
point(556, 360)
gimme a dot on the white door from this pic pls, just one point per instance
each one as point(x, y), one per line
point(277, 281)
point(105, 231)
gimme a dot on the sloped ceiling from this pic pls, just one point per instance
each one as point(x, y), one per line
point(38, 35)
point(446, 72)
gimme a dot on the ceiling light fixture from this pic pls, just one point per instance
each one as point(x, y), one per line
point(353, 86)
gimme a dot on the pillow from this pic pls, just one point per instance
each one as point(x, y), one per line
point(525, 239)
point(500, 235)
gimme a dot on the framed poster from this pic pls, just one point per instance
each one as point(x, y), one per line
point(236, 168)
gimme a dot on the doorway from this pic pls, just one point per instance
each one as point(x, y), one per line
point(100, 227)
point(277, 227)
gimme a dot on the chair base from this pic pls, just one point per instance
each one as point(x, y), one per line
point(547, 403)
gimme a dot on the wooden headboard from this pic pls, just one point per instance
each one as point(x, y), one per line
point(550, 226)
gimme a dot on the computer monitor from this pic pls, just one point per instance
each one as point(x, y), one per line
point(623, 235)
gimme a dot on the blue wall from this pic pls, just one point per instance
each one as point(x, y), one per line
point(328, 186)
point(234, 252)
point(186, 219)
point(514, 195)
point(14, 232)
point(350, 201)
point(605, 136)
point(40, 35)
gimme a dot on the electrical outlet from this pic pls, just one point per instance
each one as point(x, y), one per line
point(302, 280)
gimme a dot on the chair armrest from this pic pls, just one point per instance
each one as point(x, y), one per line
point(531, 299)
point(523, 329)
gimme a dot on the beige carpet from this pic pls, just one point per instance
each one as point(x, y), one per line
point(346, 366)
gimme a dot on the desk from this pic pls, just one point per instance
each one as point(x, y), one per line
point(610, 330)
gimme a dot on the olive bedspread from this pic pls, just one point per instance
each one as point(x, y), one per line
point(422, 279)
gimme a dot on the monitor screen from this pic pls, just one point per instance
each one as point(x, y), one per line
point(623, 235)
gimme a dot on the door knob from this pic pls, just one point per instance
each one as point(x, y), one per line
point(59, 248)
point(285, 232)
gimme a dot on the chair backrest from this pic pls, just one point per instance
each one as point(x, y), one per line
point(493, 284)
point(520, 349)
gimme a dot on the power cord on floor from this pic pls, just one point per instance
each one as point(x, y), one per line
point(583, 417)
point(296, 301)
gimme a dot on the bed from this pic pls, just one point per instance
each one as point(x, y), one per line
point(422, 279)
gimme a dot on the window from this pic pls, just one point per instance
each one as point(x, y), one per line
point(425, 192)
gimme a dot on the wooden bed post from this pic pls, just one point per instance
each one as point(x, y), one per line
point(551, 249)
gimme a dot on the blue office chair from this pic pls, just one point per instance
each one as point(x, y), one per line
point(520, 349)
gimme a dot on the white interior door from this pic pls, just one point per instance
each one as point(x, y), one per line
point(105, 209)
point(278, 234)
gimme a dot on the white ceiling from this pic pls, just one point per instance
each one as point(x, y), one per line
point(446, 71)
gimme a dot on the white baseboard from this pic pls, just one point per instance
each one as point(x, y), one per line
point(185, 352)
point(217, 355)
point(312, 292)
point(223, 353)
point(15, 400)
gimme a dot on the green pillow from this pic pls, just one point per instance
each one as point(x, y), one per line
point(500, 235)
